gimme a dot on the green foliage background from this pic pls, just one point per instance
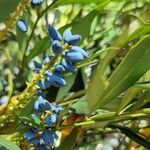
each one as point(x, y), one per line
point(111, 87)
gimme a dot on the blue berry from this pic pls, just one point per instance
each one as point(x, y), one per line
point(41, 93)
point(56, 81)
point(42, 104)
point(67, 33)
point(48, 137)
point(30, 134)
point(71, 39)
point(80, 50)
point(46, 60)
point(59, 71)
point(41, 84)
point(34, 141)
point(4, 100)
point(54, 34)
point(36, 2)
point(74, 56)
point(40, 147)
point(56, 47)
point(59, 68)
point(51, 120)
point(57, 109)
point(37, 65)
point(48, 73)
point(68, 65)
point(22, 25)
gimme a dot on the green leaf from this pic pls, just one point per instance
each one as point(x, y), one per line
point(134, 65)
point(21, 39)
point(36, 120)
point(7, 7)
point(95, 90)
point(131, 92)
point(41, 47)
point(70, 141)
point(127, 35)
point(144, 29)
point(143, 100)
point(64, 90)
point(64, 2)
point(28, 109)
point(132, 135)
point(84, 25)
point(112, 105)
point(97, 85)
point(81, 106)
point(7, 144)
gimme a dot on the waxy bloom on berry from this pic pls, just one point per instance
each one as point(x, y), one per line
point(54, 34)
point(68, 65)
point(36, 2)
point(57, 47)
point(41, 104)
point(22, 25)
point(71, 39)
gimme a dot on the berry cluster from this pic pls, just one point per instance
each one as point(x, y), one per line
point(67, 47)
point(42, 135)
point(68, 54)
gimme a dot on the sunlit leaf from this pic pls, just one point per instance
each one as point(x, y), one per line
point(8, 144)
point(135, 64)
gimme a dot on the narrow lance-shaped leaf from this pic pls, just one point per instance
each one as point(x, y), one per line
point(7, 144)
point(131, 92)
point(143, 100)
point(134, 65)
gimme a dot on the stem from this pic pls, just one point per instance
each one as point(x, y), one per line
point(104, 115)
point(68, 102)
point(17, 103)
point(110, 117)
point(74, 96)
